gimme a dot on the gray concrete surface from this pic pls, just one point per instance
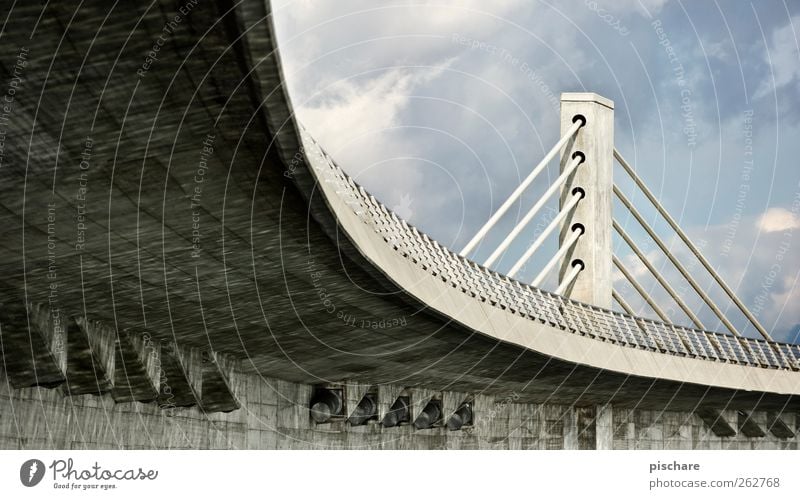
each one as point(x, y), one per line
point(596, 141)
point(275, 415)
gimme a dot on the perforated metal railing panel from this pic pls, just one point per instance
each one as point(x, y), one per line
point(535, 304)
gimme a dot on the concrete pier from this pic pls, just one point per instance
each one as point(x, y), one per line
point(595, 140)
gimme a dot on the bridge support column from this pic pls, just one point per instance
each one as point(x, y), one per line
point(593, 249)
point(570, 421)
point(604, 427)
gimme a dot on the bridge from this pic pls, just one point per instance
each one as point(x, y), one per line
point(185, 267)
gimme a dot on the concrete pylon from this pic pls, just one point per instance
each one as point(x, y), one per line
point(593, 249)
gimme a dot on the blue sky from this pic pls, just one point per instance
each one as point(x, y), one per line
point(440, 108)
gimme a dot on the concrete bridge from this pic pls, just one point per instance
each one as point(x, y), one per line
point(184, 267)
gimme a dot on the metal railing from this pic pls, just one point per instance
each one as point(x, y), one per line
point(540, 306)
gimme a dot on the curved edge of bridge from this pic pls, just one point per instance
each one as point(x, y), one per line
point(504, 326)
point(368, 248)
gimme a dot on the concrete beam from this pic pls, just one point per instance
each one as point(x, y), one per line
point(221, 383)
point(716, 422)
point(33, 345)
point(570, 420)
point(748, 426)
point(181, 376)
point(777, 426)
point(137, 370)
point(364, 410)
point(387, 395)
point(419, 399)
point(604, 427)
point(451, 401)
point(353, 393)
point(91, 348)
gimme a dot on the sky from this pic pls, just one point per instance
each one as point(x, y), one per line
point(440, 109)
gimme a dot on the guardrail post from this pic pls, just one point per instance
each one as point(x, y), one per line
point(596, 141)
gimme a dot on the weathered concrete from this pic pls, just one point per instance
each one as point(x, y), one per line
point(749, 424)
point(675, 430)
point(181, 376)
point(33, 343)
point(91, 356)
point(222, 385)
point(275, 415)
point(137, 373)
point(716, 422)
point(778, 426)
point(604, 427)
point(595, 140)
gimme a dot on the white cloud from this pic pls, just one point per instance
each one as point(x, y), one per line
point(778, 220)
point(720, 50)
point(351, 108)
point(760, 267)
point(353, 119)
point(783, 58)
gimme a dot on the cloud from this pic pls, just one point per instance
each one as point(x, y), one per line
point(720, 50)
point(784, 60)
point(778, 220)
point(354, 107)
point(357, 121)
point(633, 264)
point(759, 267)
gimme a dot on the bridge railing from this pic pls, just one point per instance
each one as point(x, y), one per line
point(538, 305)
